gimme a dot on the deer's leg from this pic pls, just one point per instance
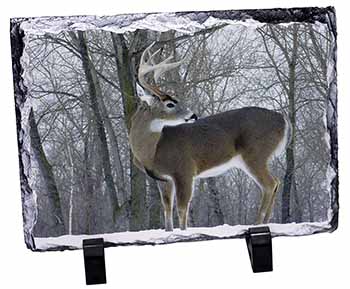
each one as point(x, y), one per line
point(272, 201)
point(167, 196)
point(183, 198)
point(269, 188)
point(263, 206)
point(268, 185)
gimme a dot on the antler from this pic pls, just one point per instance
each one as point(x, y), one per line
point(149, 65)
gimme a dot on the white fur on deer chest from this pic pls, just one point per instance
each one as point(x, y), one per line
point(158, 124)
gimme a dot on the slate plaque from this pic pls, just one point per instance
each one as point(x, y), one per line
point(167, 127)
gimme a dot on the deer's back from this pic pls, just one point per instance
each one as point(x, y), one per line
point(218, 138)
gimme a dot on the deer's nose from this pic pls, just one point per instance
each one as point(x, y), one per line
point(194, 116)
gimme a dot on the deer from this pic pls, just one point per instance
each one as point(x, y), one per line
point(172, 145)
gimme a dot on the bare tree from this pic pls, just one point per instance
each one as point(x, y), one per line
point(126, 75)
point(54, 223)
point(91, 79)
point(287, 79)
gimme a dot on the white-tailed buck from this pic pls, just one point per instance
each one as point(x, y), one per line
point(172, 146)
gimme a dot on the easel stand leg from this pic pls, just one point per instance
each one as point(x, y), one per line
point(94, 260)
point(259, 243)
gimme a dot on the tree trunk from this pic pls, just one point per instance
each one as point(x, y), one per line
point(71, 194)
point(215, 212)
point(88, 70)
point(289, 175)
point(297, 217)
point(88, 186)
point(155, 206)
point(126, 77)
point(114, 146)
point(126, 72)
point(54, 224)
point(287, 185)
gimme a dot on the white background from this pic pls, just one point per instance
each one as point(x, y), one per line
point(319, 261)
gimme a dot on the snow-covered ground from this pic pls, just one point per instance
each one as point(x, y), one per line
point(154, 237)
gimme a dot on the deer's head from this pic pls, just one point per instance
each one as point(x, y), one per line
point(159, 107)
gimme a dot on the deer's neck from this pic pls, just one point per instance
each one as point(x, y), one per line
point(143, 140)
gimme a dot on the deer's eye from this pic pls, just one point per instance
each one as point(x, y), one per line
point(170, 105)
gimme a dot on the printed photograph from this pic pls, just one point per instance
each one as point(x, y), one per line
point(159, 128)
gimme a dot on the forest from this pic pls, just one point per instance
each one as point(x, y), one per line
point(83, 93)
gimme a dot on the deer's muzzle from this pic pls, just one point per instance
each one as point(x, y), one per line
point(192, 117)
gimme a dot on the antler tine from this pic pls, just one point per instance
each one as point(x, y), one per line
point(149, 65)
point(151, 56)
point(144, 68)
point(164, 66)
point(147, 49)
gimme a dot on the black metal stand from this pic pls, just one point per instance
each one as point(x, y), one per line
point(94, 260)
point(259, 243)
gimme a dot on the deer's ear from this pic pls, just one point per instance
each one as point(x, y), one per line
point(147, 98)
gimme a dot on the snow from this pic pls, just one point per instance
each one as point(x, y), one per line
point(156, 237)
point(130, 22)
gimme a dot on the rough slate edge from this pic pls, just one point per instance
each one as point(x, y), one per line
point(20, 92)
point(274, 16)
